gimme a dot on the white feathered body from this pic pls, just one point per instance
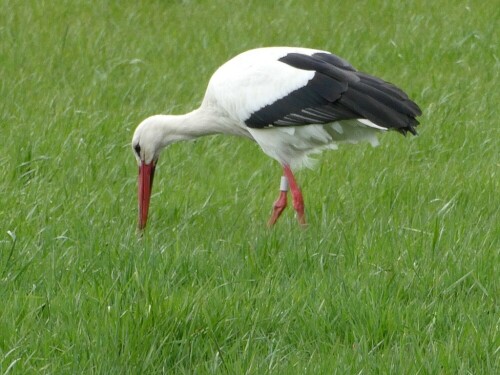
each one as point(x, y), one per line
point(254, 79)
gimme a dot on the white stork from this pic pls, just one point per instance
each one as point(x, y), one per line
point(292, 102)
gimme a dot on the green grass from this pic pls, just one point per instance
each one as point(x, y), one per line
point(396, 273)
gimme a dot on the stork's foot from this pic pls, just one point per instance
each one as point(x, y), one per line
point(297, 198)
point(301, 218)
point(278, 208)
point(298, 205)
point(288, 181)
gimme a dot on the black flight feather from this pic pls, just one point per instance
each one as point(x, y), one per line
point(338, 92)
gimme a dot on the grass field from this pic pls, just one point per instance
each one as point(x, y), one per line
point(396, 273)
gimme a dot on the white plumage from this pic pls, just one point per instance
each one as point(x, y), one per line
point(253, 80)
point(292, 102)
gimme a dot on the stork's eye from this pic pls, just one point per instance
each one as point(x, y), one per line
point(137, 149)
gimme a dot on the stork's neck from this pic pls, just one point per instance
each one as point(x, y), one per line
point(200, 122)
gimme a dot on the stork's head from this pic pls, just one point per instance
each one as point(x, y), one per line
point(150, 137)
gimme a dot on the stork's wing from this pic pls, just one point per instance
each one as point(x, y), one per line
point(337, 92)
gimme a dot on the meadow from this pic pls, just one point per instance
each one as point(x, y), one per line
point(397, 272)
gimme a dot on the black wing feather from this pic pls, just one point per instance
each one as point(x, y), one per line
point(338, 92)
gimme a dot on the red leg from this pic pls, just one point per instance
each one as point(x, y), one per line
point(280, 203)
point(298, 200)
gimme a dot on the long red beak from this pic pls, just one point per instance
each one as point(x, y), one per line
point(146, 175)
